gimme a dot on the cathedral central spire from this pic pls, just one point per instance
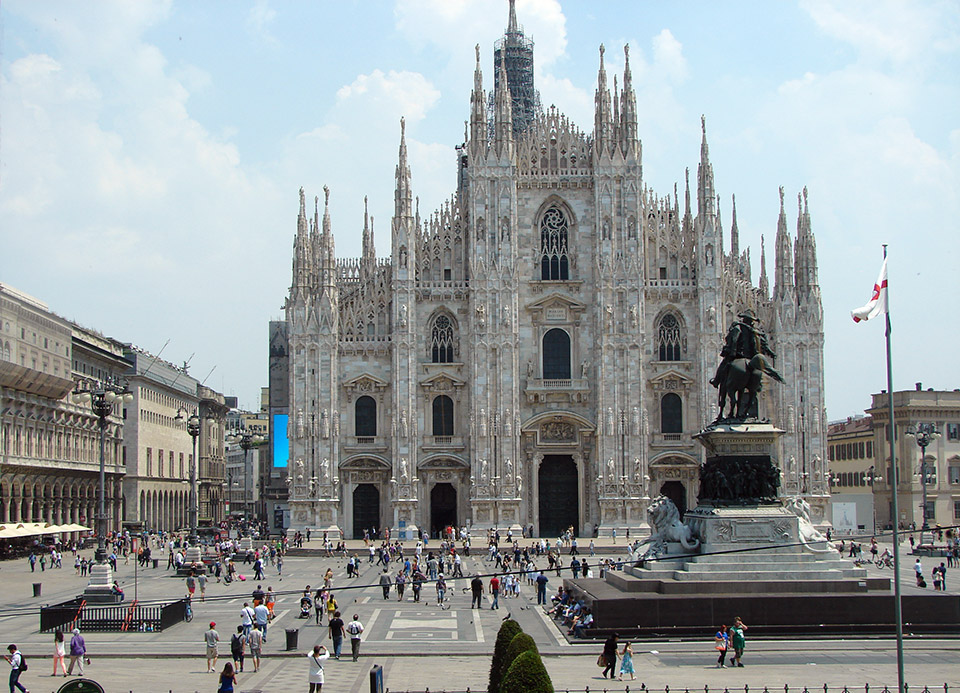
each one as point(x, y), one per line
point(515, 53)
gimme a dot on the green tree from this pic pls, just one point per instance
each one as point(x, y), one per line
point(521, 643)
point(527, 675)
point(508, 630)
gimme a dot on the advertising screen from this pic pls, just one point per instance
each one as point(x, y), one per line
point(281, 444)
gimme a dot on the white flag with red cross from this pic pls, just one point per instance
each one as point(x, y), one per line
point(878, 302)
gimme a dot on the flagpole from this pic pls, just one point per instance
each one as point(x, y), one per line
point(898, 614)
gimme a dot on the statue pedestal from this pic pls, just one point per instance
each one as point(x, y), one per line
point(192, 562)
point(743, 527)
point(100, 587)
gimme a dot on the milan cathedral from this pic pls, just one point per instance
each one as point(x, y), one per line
point(537, 352)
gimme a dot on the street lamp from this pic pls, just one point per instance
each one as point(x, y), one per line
point(102, 398)
point(247, 440)
point(871, 478)
point(924, 435)
point(193, 558)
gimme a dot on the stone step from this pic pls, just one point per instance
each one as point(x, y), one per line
point(779, 565)
point(763, 556)
point(773, 574)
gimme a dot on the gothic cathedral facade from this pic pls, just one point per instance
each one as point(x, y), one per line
point(537, 353)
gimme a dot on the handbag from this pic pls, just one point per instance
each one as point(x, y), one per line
point(602, 661)
point(721, 644)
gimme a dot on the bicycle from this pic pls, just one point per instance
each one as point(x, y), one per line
point(884, 562)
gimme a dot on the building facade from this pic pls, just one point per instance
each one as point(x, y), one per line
point(536, 353)
point(853, 473)
point(159, 450)
point(50, 445)
point(942, 457)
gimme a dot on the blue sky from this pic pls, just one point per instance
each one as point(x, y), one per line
point(151, 152)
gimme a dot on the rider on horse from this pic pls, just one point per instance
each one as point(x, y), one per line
point(745, 339)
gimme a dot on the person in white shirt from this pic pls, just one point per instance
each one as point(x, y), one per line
point(316, 667)
point(16, 662)
point(261, 615)
point(246, 618)
point(355, 628)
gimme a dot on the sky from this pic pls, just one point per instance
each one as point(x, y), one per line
point(151, 152)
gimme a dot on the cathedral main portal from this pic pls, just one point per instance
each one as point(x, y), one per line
point(366, 510)
point(559, 506)
point(443, 508)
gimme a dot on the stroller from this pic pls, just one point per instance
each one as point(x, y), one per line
point(306, 604)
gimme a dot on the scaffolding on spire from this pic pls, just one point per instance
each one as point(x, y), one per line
point(515, 51)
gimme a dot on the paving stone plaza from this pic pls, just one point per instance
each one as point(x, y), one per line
point(422, 647)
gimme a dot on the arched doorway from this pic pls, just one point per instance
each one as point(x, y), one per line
point(675, 491)
point(443, 508)
point(366, 509)
point(559, 502)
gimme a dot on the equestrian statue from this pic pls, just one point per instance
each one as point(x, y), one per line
point(739, 376)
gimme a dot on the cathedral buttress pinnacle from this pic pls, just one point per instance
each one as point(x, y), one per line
point(705, 190)
point(602, 120)
point(783, 271)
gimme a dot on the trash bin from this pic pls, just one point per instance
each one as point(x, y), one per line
point(36, 589)
point(293, 635)
point(156, 563)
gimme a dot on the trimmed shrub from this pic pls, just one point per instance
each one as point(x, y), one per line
point(508, 630)
point(527, 675)
point(521, 643)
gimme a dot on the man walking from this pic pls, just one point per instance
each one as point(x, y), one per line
point(335, 626)
point(385, 583)
point(542, 588)
point(610, 656)
point(355, 628)
point(246, 618)
point(476, 586)
point(78, 650)
point(261, 615)
point(495, 591)
point(16, 666)
point(212, 639)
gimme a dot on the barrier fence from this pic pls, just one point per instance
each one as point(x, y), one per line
point(111, 618)
point(866, 688)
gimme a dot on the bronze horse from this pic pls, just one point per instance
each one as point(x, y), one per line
point(743, 382)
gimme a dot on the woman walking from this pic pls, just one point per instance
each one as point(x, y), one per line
point(722, 642)
point(316, 667)
point(626, 664)
point(228, 679)
point(59, 652)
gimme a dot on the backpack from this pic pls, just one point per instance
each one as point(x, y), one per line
point(23, 662)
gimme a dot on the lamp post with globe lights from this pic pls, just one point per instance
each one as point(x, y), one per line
point(247, 440)
point(193, 560)
point(871, 478)
point(102, 398)
point(924, 434)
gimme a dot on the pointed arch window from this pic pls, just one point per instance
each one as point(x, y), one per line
point(554, 258)
point(669, 338)
point(671, 413)
point(556, 355)
point(442, 416)
point(442, 340)
point(365, 411)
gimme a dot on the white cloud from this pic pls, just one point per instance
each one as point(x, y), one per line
point(889, 30)
point(260, 18)
point(407, 94)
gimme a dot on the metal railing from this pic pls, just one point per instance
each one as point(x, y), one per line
point(112, 618)
point(865, 688)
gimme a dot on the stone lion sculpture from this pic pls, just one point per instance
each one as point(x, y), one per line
point(667, 524)
point(809, 535)
point(667, 528)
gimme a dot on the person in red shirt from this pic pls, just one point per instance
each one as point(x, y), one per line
point(495, 591)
